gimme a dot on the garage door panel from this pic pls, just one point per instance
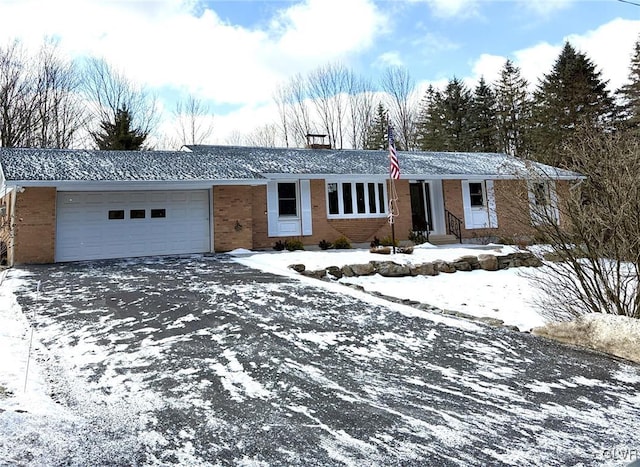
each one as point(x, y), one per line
point(85, 231)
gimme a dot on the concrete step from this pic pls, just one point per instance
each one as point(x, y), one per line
point(443, 239)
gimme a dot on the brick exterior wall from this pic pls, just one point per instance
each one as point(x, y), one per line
point(35, 226)
point(512, 208)
point(356, 230)
point(233, 216)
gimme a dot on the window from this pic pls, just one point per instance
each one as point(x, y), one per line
point(136, 214)
point(332, 193)
point(347, 199)
point(118, 214)
point(287, 199)
point(541, 194)
point(356, 199)
point(476, 195)
point(158, 213)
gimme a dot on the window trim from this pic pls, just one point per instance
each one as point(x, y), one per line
point(381, 210)
point(296, 199)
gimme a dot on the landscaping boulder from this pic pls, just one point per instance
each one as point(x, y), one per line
point(471, 260)
point(444, 266)
point(334, 271)
point(461, 265)
point(367, 269)
point(488, 262)
point(297, 267)
point(391, 269)
point(318, 274)
point(424, 269)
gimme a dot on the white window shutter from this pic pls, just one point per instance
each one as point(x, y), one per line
point(466, 204)
point(305, 207)
point(272, 208)
point(491, 204)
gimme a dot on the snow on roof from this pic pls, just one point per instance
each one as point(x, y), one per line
point(249, 163)
point(83, 165)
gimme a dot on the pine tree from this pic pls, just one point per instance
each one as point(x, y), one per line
point(118, 135)
point(482, 119)
point(572, 96)
point(513, 110)
point(456, 106)
point(377, 132)
point(630, 93)
point(431, 127)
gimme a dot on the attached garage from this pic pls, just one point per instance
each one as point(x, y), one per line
point(118, 224)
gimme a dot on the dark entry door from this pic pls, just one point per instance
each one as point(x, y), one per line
point(420, 206)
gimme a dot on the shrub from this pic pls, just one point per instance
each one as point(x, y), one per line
point(293, 244)
point(279, 245)
point(387, 241)
point(342, 243)
point(324, 245)
point(418, 237)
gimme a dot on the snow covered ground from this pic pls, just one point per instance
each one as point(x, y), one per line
point(506, 294)
point(200, 361)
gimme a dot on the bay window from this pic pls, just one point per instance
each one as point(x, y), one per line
point(356, 199)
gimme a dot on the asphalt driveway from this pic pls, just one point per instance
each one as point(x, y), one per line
point(201, 361)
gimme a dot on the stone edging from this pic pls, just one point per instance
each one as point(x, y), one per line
point(485, 262)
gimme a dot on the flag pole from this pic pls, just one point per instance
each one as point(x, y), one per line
point(394, 173)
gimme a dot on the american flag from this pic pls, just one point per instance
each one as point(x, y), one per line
point(394, 166)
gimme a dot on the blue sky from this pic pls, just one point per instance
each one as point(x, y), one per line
point(233, 53)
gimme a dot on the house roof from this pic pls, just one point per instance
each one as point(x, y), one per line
point(90, 165)
point(204, 163)
point(413, 164)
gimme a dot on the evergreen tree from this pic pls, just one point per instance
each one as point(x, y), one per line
point(377, 132)
point(513, 110)
point(630, 93)
point(444, 123)
point(118, 135)
point(431, 126)
point(456, 107)
point(482, 119)
point(573, 95)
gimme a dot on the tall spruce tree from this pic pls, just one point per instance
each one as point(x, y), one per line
point(482, 119)
point(513, 110)
point(456, 107)
point(118, 135)
point(377, 132)
point(431, 125)
point(630, 94)
point(445, 118)
point(572, 96)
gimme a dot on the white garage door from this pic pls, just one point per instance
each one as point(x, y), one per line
point(99, 225)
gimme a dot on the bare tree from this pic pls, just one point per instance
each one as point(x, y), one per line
point(235, 138)
point(400, 87)
point(264, 136)
point(18, 107)
point(281, 98)
point(109, 91)
point(194, 121)
point(595, 259)
point(361, 109)
point(298, 110)
point(59, 105)
point(328, 86)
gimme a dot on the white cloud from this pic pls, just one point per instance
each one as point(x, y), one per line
point(487, 66)
point(164, 44)
point(389, 59)
point(610, 47)
point(453, 8)
point(546, 7)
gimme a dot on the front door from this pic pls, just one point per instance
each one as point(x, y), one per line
point(420, 207)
